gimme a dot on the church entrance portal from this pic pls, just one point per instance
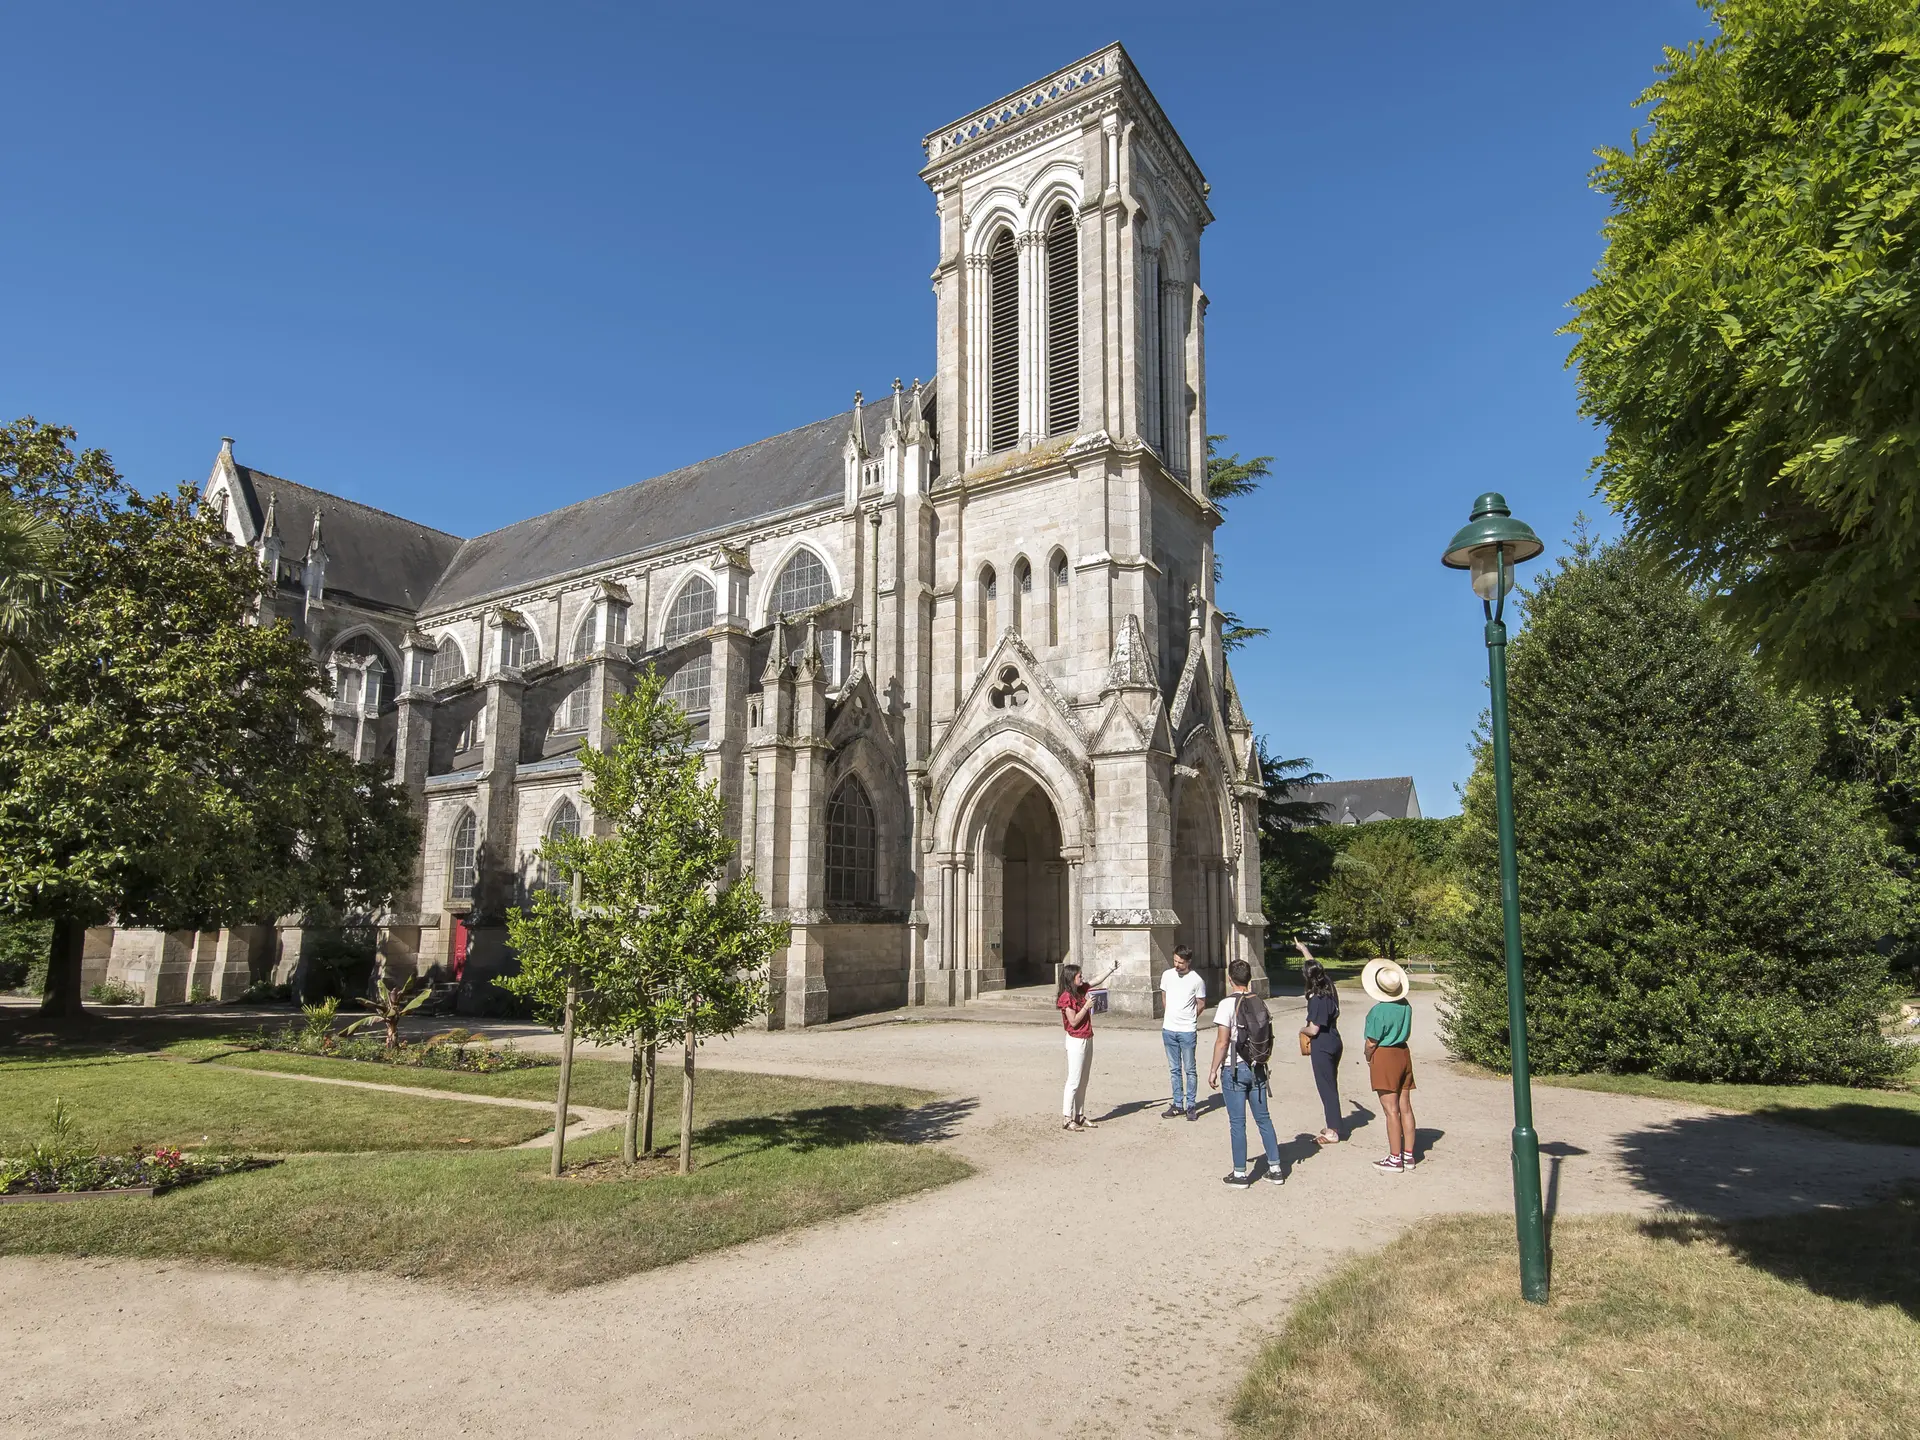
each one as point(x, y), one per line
point(1033, 936)
point(1200, 888)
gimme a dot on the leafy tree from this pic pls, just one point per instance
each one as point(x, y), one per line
point(658, 947)
point(1228, 478)
point(29, 544)
point(1294, 861)
point(1751, 341)
point(1698, 900)
point(174, 769)
point(1380, 890)
point(1880, 749)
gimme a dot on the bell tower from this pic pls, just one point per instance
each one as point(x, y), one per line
point(1085, 791)
point(1069, 277)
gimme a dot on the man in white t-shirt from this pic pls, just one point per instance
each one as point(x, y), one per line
point(1185, 992)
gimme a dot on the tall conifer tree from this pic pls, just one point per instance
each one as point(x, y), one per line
point(1698, 900)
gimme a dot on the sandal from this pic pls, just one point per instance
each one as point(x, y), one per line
point(1327, 1137)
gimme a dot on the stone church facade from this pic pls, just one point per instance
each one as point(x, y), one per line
point(953, 655)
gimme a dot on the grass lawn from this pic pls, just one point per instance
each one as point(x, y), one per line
point(1805, 1325)
point(1888, 1116)
point(117, 1104)
point(770, 1153)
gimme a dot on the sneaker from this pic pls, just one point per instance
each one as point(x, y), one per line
point(1407, 1162)
point(1243, 1181)
point(1192, 1113)
point(1172, 1112)
point(1389, 1163)
point(1276, 1176)
point(1080, 1122)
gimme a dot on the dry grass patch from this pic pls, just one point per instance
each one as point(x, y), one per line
point(1683, 1328)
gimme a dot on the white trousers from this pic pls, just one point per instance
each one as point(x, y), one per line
point(1073, 1103)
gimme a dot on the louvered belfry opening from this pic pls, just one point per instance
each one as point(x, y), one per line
point(1063, 324)
point(1003, 344)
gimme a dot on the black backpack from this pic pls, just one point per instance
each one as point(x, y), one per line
point(1252, 1029)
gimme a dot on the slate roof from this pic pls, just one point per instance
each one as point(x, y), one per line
point(371, 555)
point(783, 472)
point(1354, 802)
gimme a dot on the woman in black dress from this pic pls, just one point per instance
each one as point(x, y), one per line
point(1323, 1024)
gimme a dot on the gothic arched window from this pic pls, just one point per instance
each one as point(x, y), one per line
point(586, 637)
point(463, 859)
point(691, 687)
point(1057, 610)
point(1063, 323)
point(803, 584)
point(692, 611)
point(850, 847)
point(1003, 343)
point(565, 824)
point(989, 604)
point(449, 664)
point(1022, 588)
point(570, 716)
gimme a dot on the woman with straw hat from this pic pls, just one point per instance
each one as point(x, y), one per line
point(1389, 1064)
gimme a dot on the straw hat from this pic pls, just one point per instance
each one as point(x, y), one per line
point(1384, 980)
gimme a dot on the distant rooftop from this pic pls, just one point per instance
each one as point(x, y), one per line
point(1355, 802)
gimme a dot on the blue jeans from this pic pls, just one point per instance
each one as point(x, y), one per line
point(1243, 1088)
point(1180, 1046)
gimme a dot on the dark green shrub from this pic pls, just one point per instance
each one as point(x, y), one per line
point(23, 954)
point(1697, 901)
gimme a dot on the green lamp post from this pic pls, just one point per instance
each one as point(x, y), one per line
point(1489, 546)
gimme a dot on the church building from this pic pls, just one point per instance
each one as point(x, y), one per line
point(952, 654)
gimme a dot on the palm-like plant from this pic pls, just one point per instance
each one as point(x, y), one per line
point(390, 1007)
point(29, 577)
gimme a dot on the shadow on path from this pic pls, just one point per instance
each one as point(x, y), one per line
point(832, 1127)
point(1732, 1166)
point(1556, 1152)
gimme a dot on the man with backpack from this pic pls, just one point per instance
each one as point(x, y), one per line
point(1243, 1043)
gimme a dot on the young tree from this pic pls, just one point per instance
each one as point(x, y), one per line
point(1698, 900)
point(174, 768)
point(656, 947)
point(1379, 888)
point(1751, 342)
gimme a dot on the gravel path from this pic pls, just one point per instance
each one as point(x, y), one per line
point(1115, 1255)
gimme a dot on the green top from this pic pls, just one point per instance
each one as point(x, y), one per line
point(1390, 1022)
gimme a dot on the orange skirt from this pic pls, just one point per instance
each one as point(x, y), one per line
point(1391, 1069)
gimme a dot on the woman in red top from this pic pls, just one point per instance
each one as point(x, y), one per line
point(1075, 1003)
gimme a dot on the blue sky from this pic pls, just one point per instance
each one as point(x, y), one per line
point(468, 262)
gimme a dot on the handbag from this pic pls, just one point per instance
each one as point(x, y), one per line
point(1306, 1043)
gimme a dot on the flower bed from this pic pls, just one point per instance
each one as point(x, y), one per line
point(452, 1050)
point(47, 1172)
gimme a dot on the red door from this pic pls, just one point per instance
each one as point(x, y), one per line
point(459, 947)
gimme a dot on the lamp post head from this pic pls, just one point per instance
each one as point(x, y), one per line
point(1489, 533)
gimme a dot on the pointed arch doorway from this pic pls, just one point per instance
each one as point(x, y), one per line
point(1033, 893)
point(1200, 883)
